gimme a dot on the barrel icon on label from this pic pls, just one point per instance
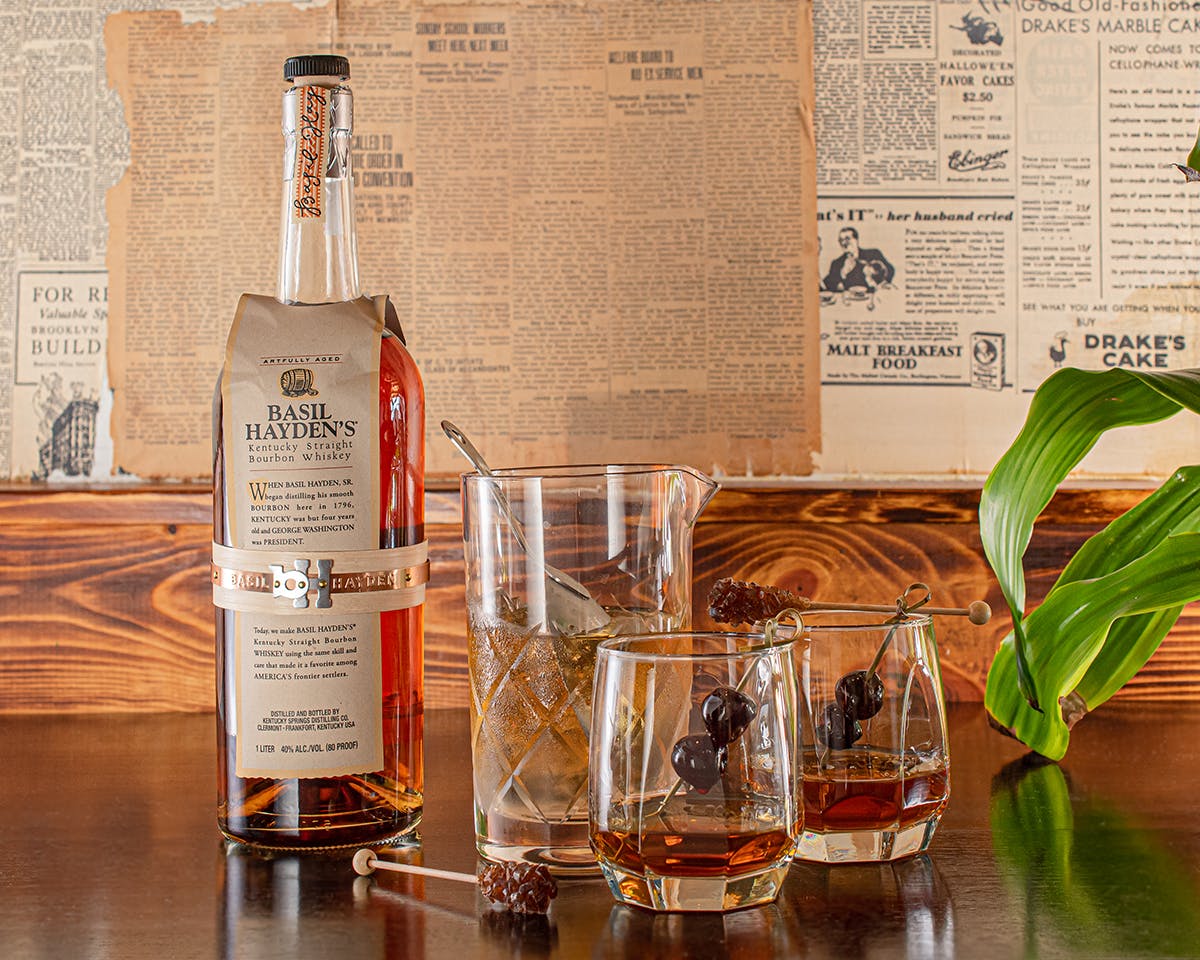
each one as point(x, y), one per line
point(987, 360)
point(297, 382)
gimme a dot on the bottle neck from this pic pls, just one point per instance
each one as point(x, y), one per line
point(318, 256)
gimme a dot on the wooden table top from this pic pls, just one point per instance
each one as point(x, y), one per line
point(109, 848)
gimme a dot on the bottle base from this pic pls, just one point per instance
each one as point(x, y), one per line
point(317, 840)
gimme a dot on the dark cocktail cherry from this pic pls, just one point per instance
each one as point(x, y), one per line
point(838, 730)
point(703, 683)
point(698, 761)
point(727, 713)
point(700, 758)
point(860, 695)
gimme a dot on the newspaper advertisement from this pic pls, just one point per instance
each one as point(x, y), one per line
point(594, 219)
point(997, 201)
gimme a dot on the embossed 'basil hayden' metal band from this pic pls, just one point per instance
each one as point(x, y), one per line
point(333, 581)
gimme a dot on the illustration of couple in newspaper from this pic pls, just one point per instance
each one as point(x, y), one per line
point(857, 273)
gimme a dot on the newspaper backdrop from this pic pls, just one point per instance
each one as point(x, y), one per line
point(601, 224)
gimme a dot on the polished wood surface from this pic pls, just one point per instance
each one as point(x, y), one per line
point(110, 850)
point(105, 598)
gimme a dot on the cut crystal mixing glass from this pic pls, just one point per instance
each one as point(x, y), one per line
point(624, 533)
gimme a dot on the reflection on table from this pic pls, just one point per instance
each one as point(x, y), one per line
point(111, 850)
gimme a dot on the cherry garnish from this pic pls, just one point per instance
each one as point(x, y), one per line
point(700, 758)
point(703, 684)
point(860, 695)
point(839, 729)
point(699, 761)
point(727, 713)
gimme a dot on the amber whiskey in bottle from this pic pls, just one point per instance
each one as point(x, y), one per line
point(319, 680)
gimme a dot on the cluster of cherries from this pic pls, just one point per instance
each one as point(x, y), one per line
point(859, 697)
point(700, 759)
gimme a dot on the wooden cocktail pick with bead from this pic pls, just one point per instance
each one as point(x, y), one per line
point(519, 887)
point(741, 601)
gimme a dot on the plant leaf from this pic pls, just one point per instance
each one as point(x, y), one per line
point(1068, 413)
point(1193, 158)
point(1068, 630)
point(1131, 641)
point(1173, 508)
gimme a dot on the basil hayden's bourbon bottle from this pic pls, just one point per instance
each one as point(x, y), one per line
point(319, 553)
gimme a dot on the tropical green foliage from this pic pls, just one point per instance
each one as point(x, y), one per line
point(1122, 591)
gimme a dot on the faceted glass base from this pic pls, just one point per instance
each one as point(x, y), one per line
point(569, 861)
point(695, 893)
point(859, 846)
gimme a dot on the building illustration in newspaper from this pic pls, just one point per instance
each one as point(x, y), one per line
point(61, 334)
point(66, 431)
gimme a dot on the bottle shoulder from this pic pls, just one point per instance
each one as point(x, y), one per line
point(394, 359)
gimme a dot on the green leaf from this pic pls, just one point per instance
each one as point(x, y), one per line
point(1067, 632)
point(1193, 158)
point(1131, 641)
point(1173, 508)
point(1069, 412)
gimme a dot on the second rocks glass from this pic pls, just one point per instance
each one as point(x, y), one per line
point(694, 795)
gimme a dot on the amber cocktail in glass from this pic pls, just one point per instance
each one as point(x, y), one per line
point(694, 787)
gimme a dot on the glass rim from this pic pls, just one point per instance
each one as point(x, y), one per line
point(566, 471)
point(613, 646)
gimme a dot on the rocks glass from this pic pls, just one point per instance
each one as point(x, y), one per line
point(694, 788)
point(875, 759)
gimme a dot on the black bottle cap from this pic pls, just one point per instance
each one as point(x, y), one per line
point(317, 65)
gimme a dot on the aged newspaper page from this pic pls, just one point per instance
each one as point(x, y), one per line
point(997, 201)
point(192, 219)
point(595, 221)
point(66, 144)
point(53, 332)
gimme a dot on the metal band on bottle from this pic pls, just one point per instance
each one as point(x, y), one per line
point(334, 581)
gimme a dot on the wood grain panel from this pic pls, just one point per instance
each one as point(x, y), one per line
point(104, 601)
point(864, 563)
point(105, 617)
point(813, 502)
point(736, 502)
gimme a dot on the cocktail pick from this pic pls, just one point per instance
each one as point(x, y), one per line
point(366, 863)
point(519, 887)
point(740, 601)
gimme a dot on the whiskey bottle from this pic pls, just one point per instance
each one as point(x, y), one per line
point(319, 553)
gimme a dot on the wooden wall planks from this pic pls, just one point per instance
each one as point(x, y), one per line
point(104, 601)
